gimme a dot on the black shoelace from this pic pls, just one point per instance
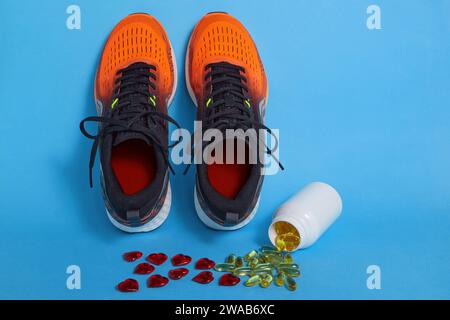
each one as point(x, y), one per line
point(133, 110)
point(228, 106)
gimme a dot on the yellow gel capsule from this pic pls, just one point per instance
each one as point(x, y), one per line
point(288, 237)
point(292, 272)
point(291, 241)
point(231, 259)
point(251, 255)
point(266, 280)
point(260, 271)
point(224, 267)
point(288, 258)
point(239, 262)
point(267, 248)
point(282, 227)
point(252, 281)
point(290, 284)
point(275, 260)
point(273, 253)
point(279, 280)
point(288, 265)
point(263, 266)
point(242, 271)
point(263, 258)
point(253, 263)
point(257, 272)
point(279, 241)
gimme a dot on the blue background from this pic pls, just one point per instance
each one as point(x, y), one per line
point(366, 111)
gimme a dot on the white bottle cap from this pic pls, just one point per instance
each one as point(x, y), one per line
point(311, 211)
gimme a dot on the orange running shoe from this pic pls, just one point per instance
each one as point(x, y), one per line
point(135, 83)
point(226, 80)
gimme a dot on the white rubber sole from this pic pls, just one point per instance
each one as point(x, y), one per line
point(214, 225)
point(157, 221)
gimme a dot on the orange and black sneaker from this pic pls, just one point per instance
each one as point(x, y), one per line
point(226, 80)
point(135, 83)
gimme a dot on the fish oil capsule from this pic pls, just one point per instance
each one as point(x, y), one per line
point(279, 280)
point(252, 281)
point(275, 260)
point(231, 259)
point(261, 271)
point(282, 227)
point(242, 271)
point(266, 280)
point(267, 269)
point(267, 248)
point(291, 241)
point(292, 272)
point(263, 265)
point(288, 258)
point(251, 255)
point(253, 263)
point(279, 241)
point(239, 262)
point(273, 253)
point(290, 284)
point(263, 258)
point(224, 267)
point(288, 265)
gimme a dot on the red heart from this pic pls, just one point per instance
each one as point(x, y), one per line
point(157, 258)
point(132, 256)
point(204, 277)
point(179, 273)
point(128, 285)
point(204, 264)
point(144, 268)
point(181, 260)
point(229, 280)
point(156, 281)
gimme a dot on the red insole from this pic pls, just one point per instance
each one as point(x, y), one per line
point(134, 165)
point(228, 179)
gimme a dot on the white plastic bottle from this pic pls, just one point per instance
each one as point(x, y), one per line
point(311, 211)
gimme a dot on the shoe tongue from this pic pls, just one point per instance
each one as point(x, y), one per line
point(230, 100)
point(125, 136)
point(129, 135)
point(135, 99)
